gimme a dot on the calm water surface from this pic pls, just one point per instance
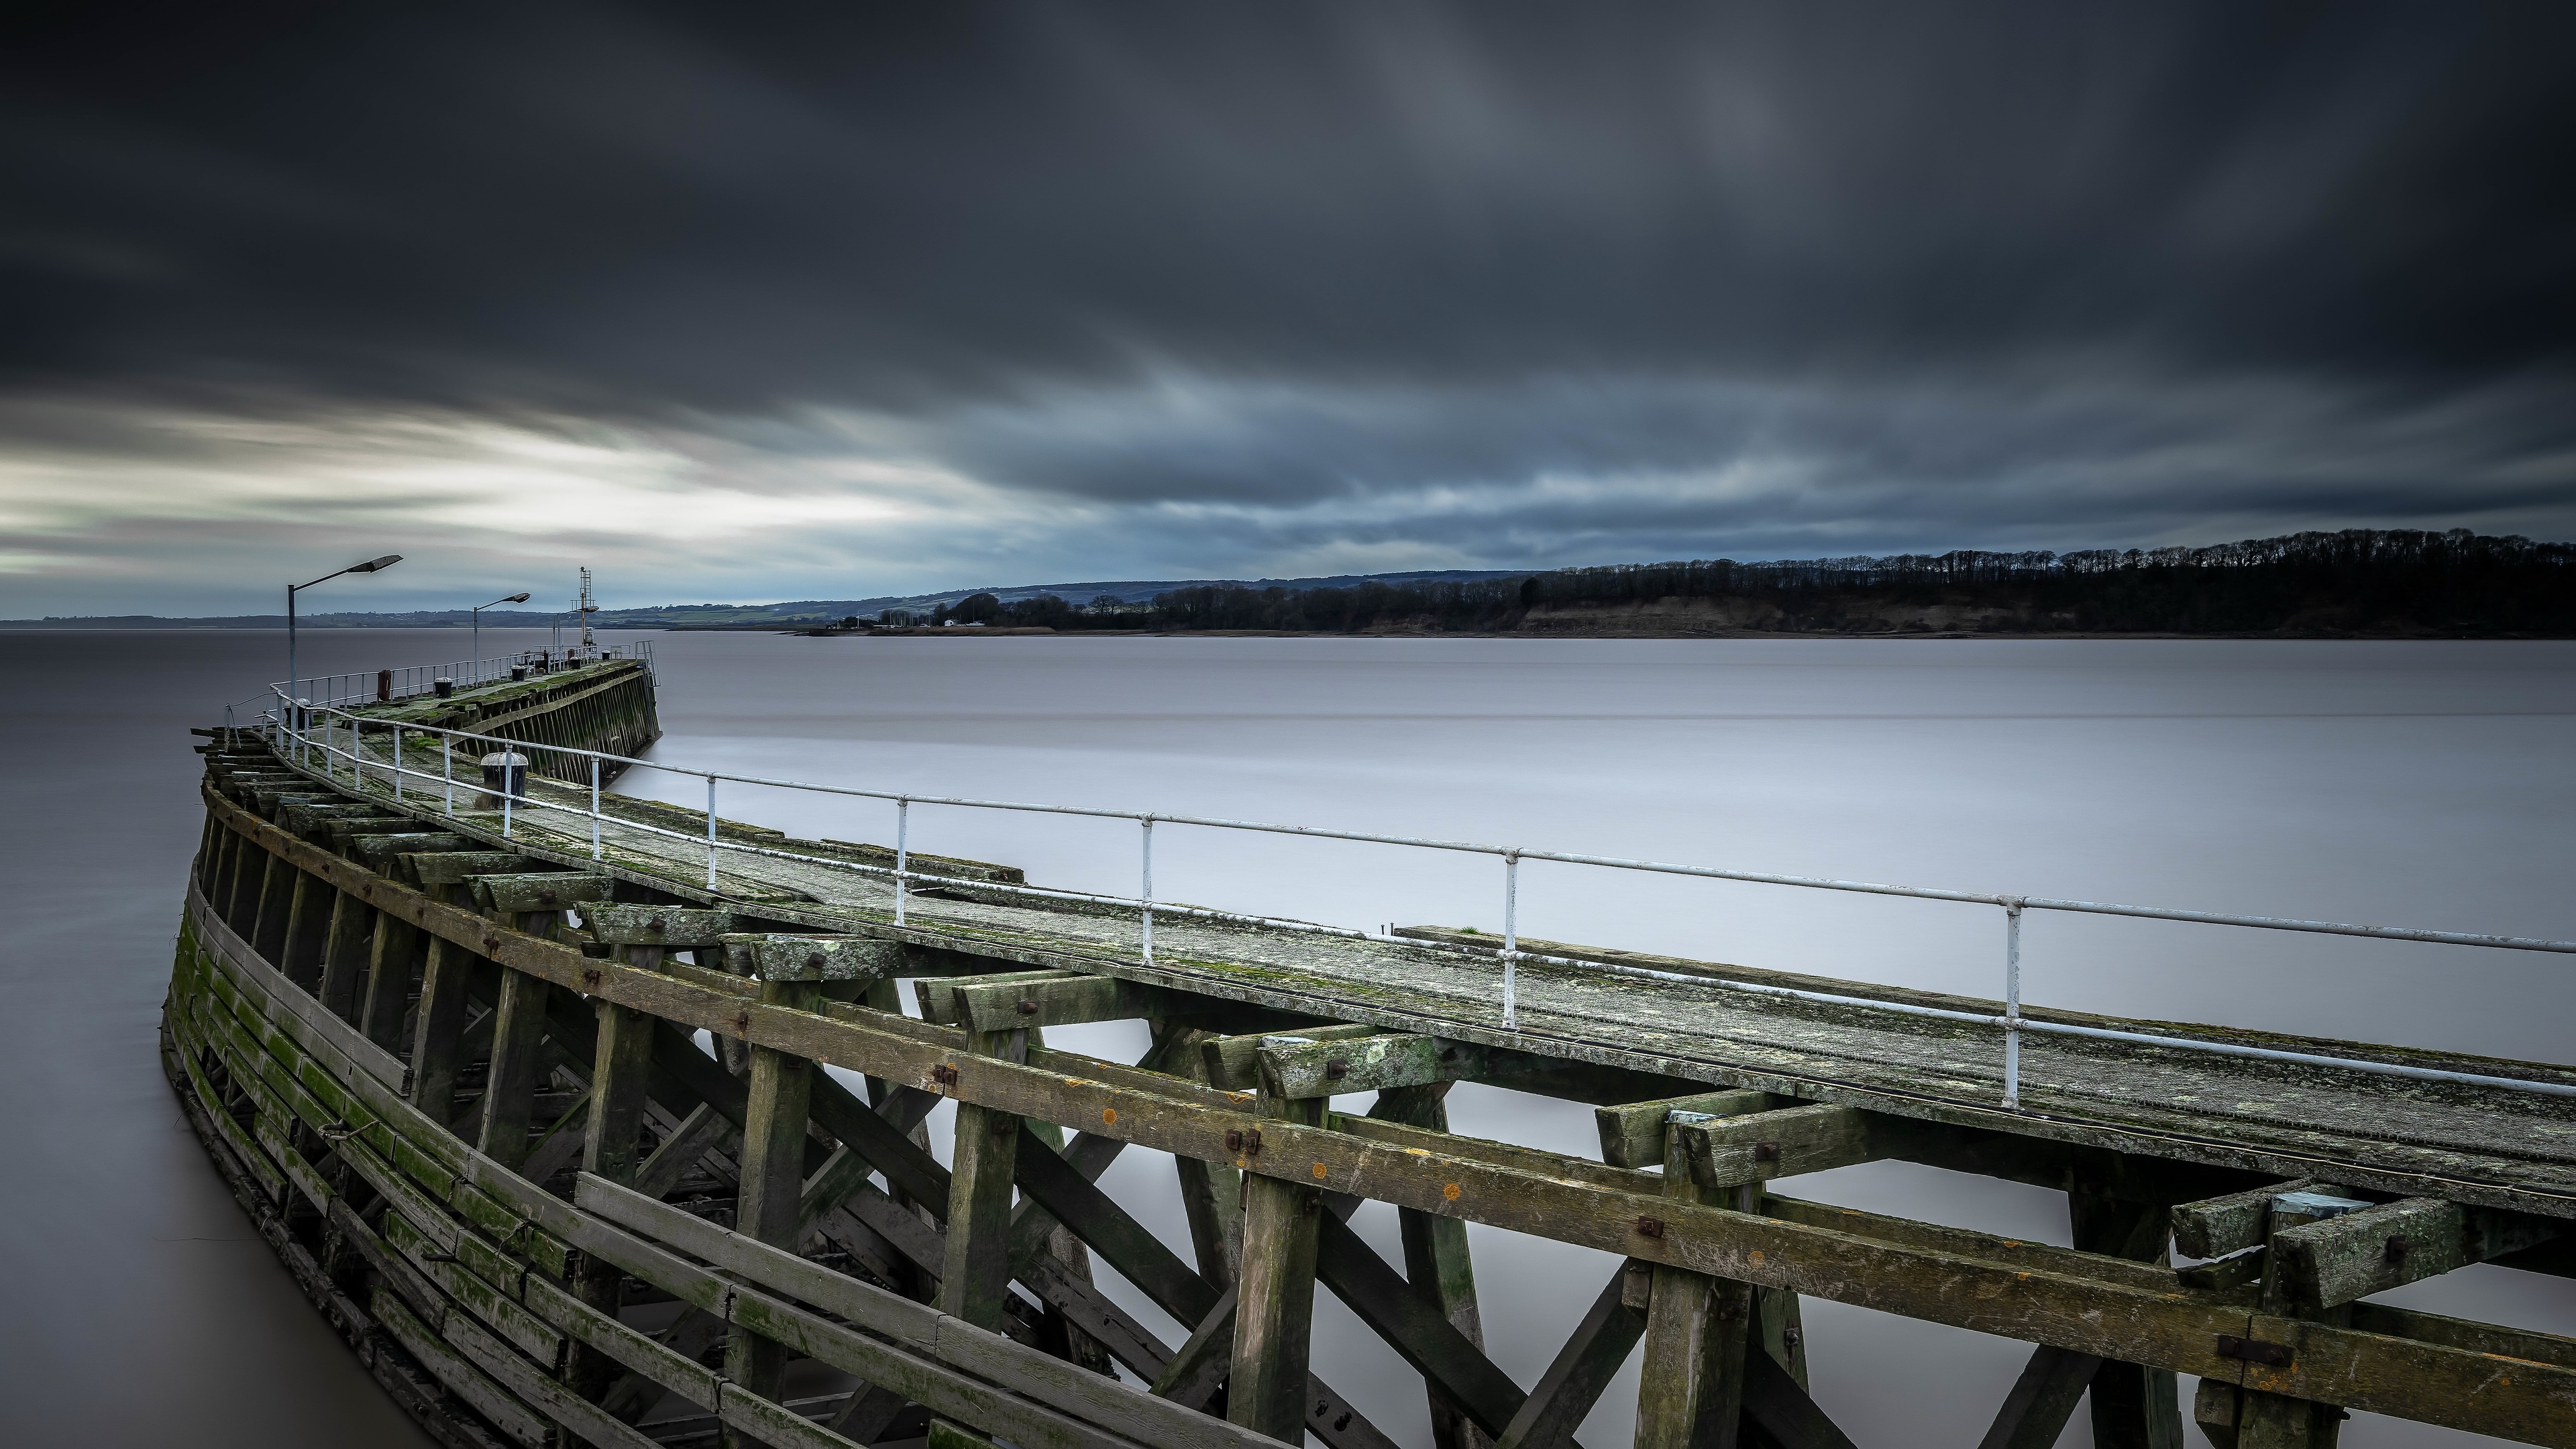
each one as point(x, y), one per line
point(2419, 784)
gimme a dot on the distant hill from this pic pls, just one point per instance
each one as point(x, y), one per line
point(2358, 583)
point(746, 616)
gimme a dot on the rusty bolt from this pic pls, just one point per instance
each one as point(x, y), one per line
point(491, 943)
point(657, 925)
point(1766, 1151)
point(590, 976)
point(1234, 1139)
point(1028, 1008)
point(2394, 1251)
point(1336, 1069)
point(814, 962)
point(1789, 1338)
point(944, 1074)
point(545, 898)
point(1650, 1227)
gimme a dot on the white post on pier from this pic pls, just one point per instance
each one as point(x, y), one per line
point(2012, 1001)
point(902, 858)
point(594, 807)
point(711, 832)
point(1146, 896)
point(1511, 940)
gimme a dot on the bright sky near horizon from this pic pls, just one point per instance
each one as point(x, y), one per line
point(832, 303)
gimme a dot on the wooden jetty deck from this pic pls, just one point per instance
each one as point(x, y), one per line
point(451, 1071)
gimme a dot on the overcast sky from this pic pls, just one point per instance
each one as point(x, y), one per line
point(865, 300)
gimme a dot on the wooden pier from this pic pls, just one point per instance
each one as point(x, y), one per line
point(456, 1079)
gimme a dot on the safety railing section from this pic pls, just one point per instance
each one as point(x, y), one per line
point(383, 685)
point(327, 737)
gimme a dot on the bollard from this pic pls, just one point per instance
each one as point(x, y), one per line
point(505, 776)
point(384, 686)
point(443, 687)
point(518, 672)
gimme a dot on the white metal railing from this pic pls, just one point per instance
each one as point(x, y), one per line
point(333, 734)
point(380, 685)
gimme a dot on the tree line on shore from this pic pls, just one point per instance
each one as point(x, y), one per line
point(2357, 581)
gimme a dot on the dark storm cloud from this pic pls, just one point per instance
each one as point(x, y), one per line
point(1955, 272)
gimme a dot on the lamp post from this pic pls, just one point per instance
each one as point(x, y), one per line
point(478, 630)
point(294, 684)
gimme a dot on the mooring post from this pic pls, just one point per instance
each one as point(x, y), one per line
point(773, 1180)
point(1275, 1296)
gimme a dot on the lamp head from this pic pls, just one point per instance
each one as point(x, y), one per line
point(373, 564)
point(516, 599)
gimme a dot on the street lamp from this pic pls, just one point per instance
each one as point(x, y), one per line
point(478, 630)
point(294, 684)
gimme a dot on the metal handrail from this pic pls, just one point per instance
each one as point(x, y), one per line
point(2011, 1020)
point(412, 681)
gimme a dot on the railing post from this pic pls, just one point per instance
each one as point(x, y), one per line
point(447, 769)
point(711, 832)
point(902, 862)
point(1147, 895)
point(594, 807)
point(2012, 1001)
point(398, 764)
point(1511, 940)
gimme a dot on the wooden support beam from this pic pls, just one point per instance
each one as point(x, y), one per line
point(393, 959)
point(1777, 1404)
point(1727, 1152)
point(308, 918)
point(344, 954)
point(2215, 1227)
point(1414, 1328)
point(1233, 1063)
point(984, 1004)
point(1290, 1067)
point(2333, 1261)
point(1275, 1308)
point(1690, 1394)
point(673, 928)
point(1591, 1357)
point(938, 996)
point(773, 1173)
point(975, 1272)
point(2133, 1406)
point(267, 934)
point(2042, 1398)
point(771, 957)
point(1437, 1264)
point(1211, 1192)
point(1632, 1133)
point(510, 1089)
point(438, 1031)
